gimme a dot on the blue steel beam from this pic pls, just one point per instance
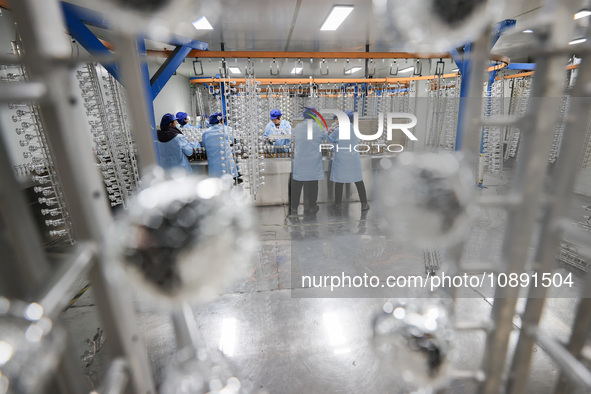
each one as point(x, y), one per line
point(168, 68)
point(86, 38)
point(465, 68)
point(499, 29)
point(521, 66)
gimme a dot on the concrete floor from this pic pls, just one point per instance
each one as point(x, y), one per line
point(281, 341)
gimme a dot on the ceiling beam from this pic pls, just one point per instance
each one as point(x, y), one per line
point(315, 55)
point(304, 55)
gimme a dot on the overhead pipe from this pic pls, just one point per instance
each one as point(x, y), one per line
point(503, 60)
point(316, 55)
point(293, 81)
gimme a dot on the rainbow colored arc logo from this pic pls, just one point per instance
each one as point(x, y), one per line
point(317, 117)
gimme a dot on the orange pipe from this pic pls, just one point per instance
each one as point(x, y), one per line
point(528, 73)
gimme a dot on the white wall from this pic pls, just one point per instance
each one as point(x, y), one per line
point(174, 97)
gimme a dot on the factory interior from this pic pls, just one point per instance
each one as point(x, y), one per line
point(194, 197)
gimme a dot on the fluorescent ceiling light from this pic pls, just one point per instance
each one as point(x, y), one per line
point(234, 70)
point(528, 31)
point(577, 41)
point(202, 24)
point(353, 70)
point(405, 70)
point(297, 70)
point(336, 17)
point(582, 14)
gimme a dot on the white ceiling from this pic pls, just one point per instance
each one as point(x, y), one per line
point(294, 25)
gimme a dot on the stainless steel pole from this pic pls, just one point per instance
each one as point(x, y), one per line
point(41, 27)
point(543, 114)
point(579, 335)
point(563, 181)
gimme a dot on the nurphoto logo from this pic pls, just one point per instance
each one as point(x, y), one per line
point(394, 121)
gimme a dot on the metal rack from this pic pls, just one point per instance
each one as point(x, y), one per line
point(492, 138)
point(45, 54)
point(443, 109)
point(520, 92)
point(40, 167)
point(115, 150)
point(524, 205)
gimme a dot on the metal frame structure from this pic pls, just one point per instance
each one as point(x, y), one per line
point(524, 204)
point(44, 47)
point(46, 54)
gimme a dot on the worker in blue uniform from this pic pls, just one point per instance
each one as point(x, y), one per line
point(346, 165)
point(173, 146)
point(307, 166)
point(183, 120)
point(278, 126)
point(218, 146)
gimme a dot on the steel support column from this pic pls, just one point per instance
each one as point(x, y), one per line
point(168, 68)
